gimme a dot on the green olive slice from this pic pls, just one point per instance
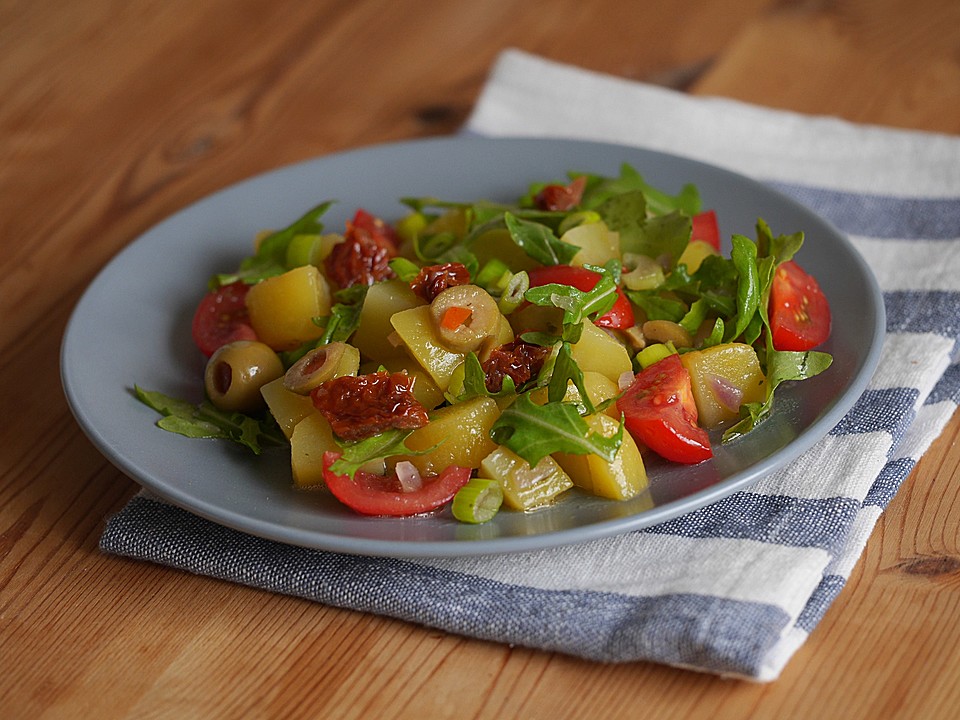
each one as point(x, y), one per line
point(480, 324)
point(321, 364)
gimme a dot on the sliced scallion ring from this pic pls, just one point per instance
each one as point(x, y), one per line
point(477, 501)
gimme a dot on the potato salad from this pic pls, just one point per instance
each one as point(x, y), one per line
point(472, 355)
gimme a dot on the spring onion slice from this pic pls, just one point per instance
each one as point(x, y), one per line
point(477, 501)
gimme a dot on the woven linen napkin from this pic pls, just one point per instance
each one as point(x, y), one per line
point(735, 587)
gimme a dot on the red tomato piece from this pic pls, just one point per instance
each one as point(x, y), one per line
point(618, 317)
point(370, 494)
point(375, 227)
point(561, 197)
point(660, 412)
point(799, 311)
point(222, 317)
point(706, 228)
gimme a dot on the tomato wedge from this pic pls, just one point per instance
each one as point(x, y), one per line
point(660, 412)
point(221, 317)
point(706, 228)
point(370, 494)
point(619, 317)
point(799, 311)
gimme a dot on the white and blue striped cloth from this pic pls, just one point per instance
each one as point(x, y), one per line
point(736, 587)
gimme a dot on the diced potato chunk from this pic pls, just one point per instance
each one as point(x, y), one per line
point(525, 487)
point(596, 242)
point(288, 408)
point(596, 351)
point(695, 253)
point(461, 434)
point(282, 308)
point(382, 301)
point(424, 389)
point(311, 438)
point(421, 339)
point(599, 388)
point(724, 377)
point(621, 479)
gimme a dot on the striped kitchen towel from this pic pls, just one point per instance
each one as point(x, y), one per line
point(733, 588)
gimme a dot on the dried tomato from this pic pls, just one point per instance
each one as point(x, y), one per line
point(518, 360)
point(362, 258)
point(561, 197)
point(434, 279)
point(361, 406)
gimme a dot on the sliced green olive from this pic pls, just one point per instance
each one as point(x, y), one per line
point(321, 364)
point(481, 323)
point(236, 372)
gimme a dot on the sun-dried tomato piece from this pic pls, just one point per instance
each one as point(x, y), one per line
point(360, 406)
point(434, 279)
point(561, 197)
point(518, 360)
point(362, 258)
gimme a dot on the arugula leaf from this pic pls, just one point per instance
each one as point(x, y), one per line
point(656, 307)
point(271, 256)
point(782, 366)
point(357, 453)
point(475, 381)
point(539, 242)
point(534, 431)
point(744, 256)
point(577, 304)
point(600, 188)
point(206, 421)
point(662, 237)
point(565, 369)
point(344, 317)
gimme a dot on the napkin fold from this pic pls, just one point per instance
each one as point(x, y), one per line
point(735, 587)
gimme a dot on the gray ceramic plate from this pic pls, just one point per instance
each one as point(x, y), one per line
point(133, 326)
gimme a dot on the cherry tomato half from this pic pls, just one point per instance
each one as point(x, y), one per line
point(370, 494)
point(222, 317)
point(620, 316)
point(660, 412)
point(706, 228)
point(799, 311)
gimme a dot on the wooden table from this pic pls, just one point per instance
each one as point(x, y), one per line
point(116, 114)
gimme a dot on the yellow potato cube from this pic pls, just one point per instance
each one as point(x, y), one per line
point(419, 335)
point(311, 438)
point(383, 300)
point(461, 434)
point(723, 378)
point(596, 351)
point(621, 479)
point(525, 487)
point(695, 253)
point(282, 308)
point(596, 242)
point(288, 408)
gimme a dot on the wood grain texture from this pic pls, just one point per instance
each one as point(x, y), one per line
point(116, 114)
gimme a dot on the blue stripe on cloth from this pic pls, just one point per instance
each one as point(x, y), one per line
point(716, 634)
point(947, 388)
point(890, 409)
point(889, 481)
point(924, 311)
point(800, 522)
point(819, 602)
point(881, 216)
